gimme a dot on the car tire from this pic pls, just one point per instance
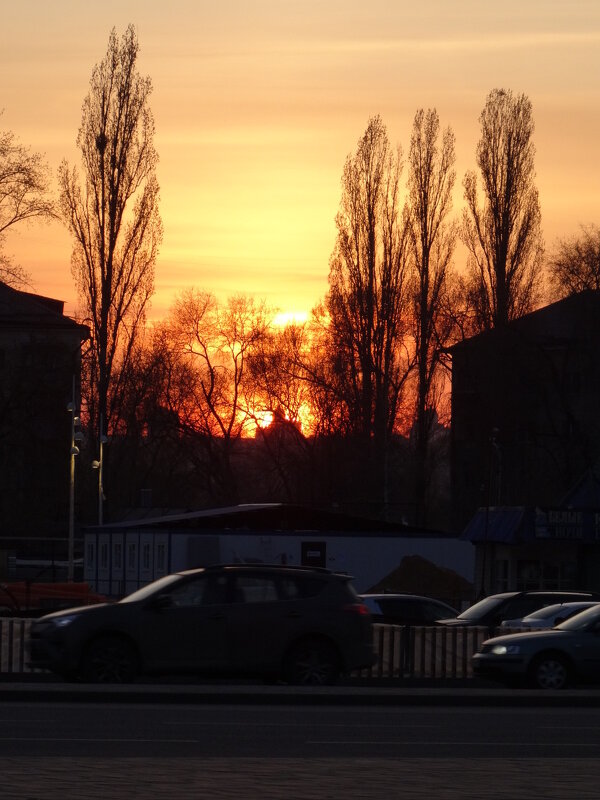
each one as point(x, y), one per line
point(550, 671)
point(109, 659)
point(312, 662)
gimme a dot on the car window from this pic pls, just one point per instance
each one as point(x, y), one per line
point(296, 587)
point(482, 608)
point(547, 611)
point(200, 591)
point(373, 605)
point(397, 607)
point(434, 611)
point(255, 589)
point(523, 606)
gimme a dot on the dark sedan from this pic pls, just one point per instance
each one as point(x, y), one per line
point(407, 609)
point(549, 659)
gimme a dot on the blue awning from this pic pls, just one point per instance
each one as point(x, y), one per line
point(506, 524)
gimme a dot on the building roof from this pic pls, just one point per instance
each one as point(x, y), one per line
point(557, 321)
point(271, 517)
point(26, 310)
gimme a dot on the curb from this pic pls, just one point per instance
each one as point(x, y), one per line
point(286, 695)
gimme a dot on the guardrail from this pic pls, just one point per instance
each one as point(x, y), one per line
point(403, 653)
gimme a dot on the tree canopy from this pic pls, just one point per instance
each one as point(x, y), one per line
point(24, 195)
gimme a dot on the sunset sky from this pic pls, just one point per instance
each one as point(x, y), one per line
point(257, 104)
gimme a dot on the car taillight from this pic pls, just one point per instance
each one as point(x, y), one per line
point(358, 608)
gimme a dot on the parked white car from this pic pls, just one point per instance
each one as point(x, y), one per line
point(549, 616)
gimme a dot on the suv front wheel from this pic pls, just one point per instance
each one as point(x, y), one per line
point(109, 659)
point(312, 662)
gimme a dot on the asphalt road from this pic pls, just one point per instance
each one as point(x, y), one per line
point(108, 750)
point(306, 732)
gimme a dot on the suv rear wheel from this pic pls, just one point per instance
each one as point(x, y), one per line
point(312, 662)
point(109, 660)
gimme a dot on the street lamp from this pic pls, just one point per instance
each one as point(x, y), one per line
point(76, 436)
point(99, 466)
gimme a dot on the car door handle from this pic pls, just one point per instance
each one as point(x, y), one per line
point(293, 615)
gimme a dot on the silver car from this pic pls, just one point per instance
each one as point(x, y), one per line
point(546, 659)
point(549, 616)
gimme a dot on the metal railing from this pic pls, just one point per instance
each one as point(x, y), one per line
point(403, 653)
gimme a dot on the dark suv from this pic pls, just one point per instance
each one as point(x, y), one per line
point(302, 625)
point(492, 610)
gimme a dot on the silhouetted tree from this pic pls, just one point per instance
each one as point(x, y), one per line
point(24, 180)
point(367, 301)
point(575, 266)
point(212, 345)
point(503, 233)
point(112, 214)
point(430, 183)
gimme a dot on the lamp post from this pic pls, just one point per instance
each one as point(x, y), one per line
point(99, 466)
point(76, 436)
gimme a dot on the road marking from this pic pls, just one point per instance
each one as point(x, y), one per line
point(379, 743)
point(289, 725)
point(98, 739)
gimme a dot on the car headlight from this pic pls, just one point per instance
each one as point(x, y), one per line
point(506, 649)
point(61, 622)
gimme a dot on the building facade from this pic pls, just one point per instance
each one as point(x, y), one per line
point(525, 400)
point(121, 557)
point(40, 360)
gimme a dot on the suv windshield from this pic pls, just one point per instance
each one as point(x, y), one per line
point(151, 588)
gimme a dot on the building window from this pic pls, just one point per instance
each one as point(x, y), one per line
point(104, 555)
point(131, 556)
point(146, 556)
point(118, 555)
point(546, 575)
point(501, 575)
point(160, 557)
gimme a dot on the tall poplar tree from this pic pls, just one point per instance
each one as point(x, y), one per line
point(367, 300)
point(502, 228)
point(433, 237)
point(112, 213)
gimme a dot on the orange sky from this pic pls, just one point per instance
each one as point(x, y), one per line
point(258, 102)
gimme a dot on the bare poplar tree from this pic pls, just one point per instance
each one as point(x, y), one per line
point(503, 232)
point(112, 214)
point(433, 238)
point(24, 180)
point(367, 298)
point(575, 266)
